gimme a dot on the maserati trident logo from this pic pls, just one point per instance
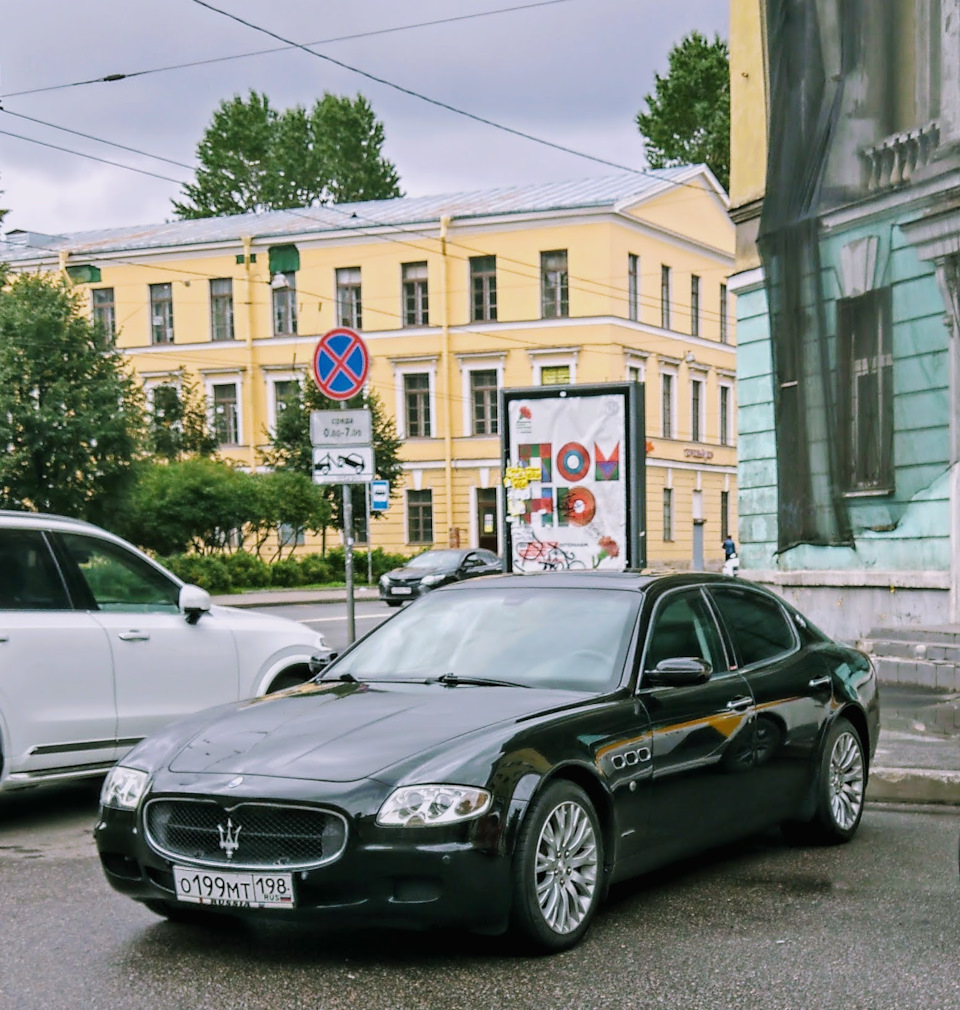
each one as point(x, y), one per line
point(229, 838)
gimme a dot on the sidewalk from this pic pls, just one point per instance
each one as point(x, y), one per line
point(918, 755)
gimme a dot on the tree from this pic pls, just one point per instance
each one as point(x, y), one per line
point(178, 425)
point(290, 446)
point(688, 117)
point(253, 157)
point(71, 413)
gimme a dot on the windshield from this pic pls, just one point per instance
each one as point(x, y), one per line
point(434, 559)
point(567, 639)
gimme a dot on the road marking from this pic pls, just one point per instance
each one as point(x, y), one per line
point(357, 617)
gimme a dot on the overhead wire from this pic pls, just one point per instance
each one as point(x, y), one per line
point(111, 78)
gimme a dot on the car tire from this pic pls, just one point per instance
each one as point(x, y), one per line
point(840, 790)
point(183, 914)
point(556, 890)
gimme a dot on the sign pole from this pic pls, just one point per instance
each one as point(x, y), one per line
point(348, 556)
point(369, 521)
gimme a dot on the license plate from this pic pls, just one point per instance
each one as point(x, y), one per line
point(234, 890)
point(401, 590)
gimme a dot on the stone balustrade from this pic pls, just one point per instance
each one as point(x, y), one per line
point(893, 161)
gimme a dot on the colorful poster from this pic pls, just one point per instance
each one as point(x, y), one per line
point(566, 491)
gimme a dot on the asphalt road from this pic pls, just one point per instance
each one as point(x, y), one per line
point(874, 924)
point(331, 619)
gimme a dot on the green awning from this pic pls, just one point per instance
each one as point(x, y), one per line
point(85, 274)
point(284, 259)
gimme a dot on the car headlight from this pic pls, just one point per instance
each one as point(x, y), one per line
point(432, 580)
point(425, 806)
point(123, 788)
point(384, 580)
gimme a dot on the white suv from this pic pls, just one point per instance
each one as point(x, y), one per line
point(100, 646)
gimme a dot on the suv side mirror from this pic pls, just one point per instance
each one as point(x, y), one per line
point(317, 664)
point(681, 671)
point(194, 602)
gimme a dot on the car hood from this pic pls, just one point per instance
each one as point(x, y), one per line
point(245, 620)
point(343, 732)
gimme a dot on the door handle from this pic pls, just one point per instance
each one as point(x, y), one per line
point(133, 636)
point(4, 638)
point(739, 704)
point(819, 681)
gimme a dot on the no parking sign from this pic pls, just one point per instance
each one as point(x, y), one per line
point(340, 363)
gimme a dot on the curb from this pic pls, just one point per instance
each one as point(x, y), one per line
point(914, 785)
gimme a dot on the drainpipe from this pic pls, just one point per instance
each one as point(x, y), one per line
point(248, 385)
point(445, 371)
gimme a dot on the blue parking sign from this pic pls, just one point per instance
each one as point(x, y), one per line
point(379, 495)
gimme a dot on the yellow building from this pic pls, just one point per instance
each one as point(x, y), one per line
point(457, 296)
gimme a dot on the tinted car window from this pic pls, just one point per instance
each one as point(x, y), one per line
point(683, 627)
point(29, 579)
point(119, 580)
point(756, 623)
point(568, 639)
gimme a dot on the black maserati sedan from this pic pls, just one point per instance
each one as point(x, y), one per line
point(433, 569)
point(497, 754)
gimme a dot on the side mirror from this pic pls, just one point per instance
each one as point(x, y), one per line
point(317, 664)
point(194, 602)
point(679, 672)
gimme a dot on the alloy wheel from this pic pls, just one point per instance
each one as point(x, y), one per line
point(566, 867)
point(845, 783)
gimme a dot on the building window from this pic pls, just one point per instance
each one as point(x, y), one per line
point(221, 309)
point(667, 514)
point(416, 399)
point(554, 375)
point(483, 288)
point(349, 302)
point(633, 286)
point(725, 415)
point(666, 404)
point(724, 335)
point(696, 410)
point(420, 517)
point(161, 313)
point(225, 419)
point(105, 312)
point(290, 536)
point(864, 337)
point(694, 305)
point(635, 373)
point(483, 396)
point(665, 297)
point(553, 284)
point(285, 393)
point(284, 288)
point(416, 306)
point(724, 514)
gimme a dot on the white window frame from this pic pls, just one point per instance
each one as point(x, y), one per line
point(551, 357)
point(478, 363)
point(150, 383)
point(211, 379)
point(414, 366)
point(637, 360)
point(272, 378)
point(672, 371)
point(633, 287)
point(728, 386)
point(406, 518)
point(701, 377)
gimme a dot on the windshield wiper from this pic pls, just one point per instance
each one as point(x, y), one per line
point(452, 680)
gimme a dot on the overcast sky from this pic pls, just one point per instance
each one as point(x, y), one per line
point(573, 72)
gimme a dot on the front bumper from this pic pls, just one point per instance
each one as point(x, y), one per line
point(401, 593)
point(415, 878)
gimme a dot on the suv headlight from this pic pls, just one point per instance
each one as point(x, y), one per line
point(425, 806)
point(123, 788)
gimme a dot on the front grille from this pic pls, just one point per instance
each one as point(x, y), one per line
point(256, 835)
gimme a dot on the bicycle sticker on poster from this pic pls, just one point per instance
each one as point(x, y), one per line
point(573, 478)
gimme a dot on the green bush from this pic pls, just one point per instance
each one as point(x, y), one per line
point(286, 573)
point(209, 571)
point(314, 569)
point(248, 571)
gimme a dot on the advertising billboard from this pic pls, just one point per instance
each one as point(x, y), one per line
point(573, 477)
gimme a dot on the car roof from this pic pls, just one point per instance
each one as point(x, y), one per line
point(11, 517)
point(636, 581)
